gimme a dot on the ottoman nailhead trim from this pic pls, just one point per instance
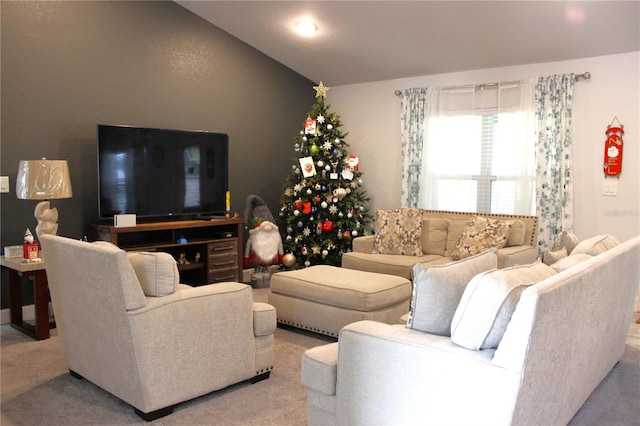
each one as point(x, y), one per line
point(306, 327)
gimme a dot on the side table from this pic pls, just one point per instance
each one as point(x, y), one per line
point(17, 268)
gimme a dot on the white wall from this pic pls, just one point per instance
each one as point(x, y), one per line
point(370, 112)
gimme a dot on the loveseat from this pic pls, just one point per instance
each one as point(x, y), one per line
point(560, 336)
point(432, 238)
point(128, 326)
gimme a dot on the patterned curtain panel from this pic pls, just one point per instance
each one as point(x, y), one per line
point(412, 109)
point(554, 187)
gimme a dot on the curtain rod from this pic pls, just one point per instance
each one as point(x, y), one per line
point(583, 76)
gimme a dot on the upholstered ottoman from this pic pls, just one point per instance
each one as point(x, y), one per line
point(325, 298)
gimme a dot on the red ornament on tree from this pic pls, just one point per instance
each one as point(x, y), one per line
point(327, 226)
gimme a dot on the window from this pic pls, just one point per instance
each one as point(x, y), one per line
point(479, 154)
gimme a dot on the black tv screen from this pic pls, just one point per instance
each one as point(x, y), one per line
point(161, 173)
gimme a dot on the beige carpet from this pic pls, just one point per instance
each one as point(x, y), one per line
point(36, 389)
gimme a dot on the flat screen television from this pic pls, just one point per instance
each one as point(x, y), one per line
point(160, 174)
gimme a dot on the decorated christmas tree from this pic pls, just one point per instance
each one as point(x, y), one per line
point(323, 206)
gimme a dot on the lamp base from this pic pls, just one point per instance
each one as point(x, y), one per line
point(47, 219)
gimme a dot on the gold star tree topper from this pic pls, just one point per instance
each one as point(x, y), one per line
point(321, 90)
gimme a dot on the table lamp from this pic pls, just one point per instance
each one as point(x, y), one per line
point(44, 180)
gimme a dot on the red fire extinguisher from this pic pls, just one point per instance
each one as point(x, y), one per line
point(613, 149)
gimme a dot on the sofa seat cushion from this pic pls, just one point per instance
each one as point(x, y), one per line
point(401, 266)
point(342, 288)
point(398, 231)
point(489, 301)
point(437, 291)
point(481, 234)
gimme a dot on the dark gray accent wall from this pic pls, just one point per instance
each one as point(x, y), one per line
point(67, 66)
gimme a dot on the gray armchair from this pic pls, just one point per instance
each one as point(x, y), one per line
point(128, 326)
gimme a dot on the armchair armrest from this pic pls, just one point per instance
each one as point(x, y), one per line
point(208, 328)
point(264, 319)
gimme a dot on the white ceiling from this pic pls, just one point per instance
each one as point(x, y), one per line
point(361, 41)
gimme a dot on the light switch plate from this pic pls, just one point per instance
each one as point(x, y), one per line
point(4, 184)
point(610, 188)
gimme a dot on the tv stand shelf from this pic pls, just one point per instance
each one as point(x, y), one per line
point(212, 253)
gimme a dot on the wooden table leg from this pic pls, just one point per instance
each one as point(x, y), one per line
point(41, 304)
point(15, 297)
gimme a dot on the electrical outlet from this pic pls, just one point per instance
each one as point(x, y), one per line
point(4, 184)
point(610, 188)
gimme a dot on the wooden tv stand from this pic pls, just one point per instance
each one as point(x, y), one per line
point(218, 242)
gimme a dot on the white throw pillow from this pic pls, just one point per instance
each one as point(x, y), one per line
point(550, 257)
point(570, 261)
point(157, 272)
point(596, 245)
point(488, 303)
point(565, 239)
point(437, 291)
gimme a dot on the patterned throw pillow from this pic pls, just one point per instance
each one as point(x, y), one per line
point(398, 231)
point(481, 234)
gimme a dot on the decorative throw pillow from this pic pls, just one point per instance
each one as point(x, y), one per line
point(434, 235)
point(570, 261)
point(437, 291)
point(157, 272)
point(481, 234)
point(456, 227)
point(566, 239)
point(488, 302)
point(596, 245)
point(398, 231)
point(551, 257)
point(517, 233)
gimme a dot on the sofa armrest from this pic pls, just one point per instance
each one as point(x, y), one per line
point(388, 374)
point(364, 244)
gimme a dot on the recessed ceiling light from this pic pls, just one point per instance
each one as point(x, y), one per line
point(306, 28)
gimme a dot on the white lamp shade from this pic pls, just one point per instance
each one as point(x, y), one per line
point(43, 180)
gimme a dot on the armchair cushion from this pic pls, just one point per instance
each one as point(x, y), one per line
point(437, 291)
point(481, 234)
point(398, 231)
point(157, 272)
point(488, 302)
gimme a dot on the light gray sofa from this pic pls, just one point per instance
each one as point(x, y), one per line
point(128, 326)
point(440, 232)
point(565, 335)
